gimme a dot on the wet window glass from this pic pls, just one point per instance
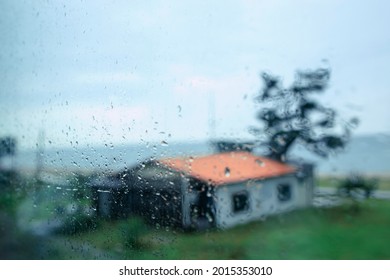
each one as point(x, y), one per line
point(194, 130)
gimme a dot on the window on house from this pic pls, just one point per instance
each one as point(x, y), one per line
point(284, 192)
point(240, 202)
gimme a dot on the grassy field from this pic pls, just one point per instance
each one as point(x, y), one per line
point(337, 233)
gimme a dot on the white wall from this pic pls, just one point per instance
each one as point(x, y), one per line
point(305, 192)
point(104, 203)
point(187, 198)
point(263, 200)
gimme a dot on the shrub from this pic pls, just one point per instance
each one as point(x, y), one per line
point(12, 191)
point(78, 223)
point(133, 230)
point(357, 186)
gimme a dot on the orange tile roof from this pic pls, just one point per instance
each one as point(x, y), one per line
point(228, 167)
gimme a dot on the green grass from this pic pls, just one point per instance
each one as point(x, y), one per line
point(338, 233)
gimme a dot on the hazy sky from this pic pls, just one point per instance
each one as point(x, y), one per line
point(120, 72)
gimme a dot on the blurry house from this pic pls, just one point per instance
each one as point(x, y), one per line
point(220, 190)
point(110, 196)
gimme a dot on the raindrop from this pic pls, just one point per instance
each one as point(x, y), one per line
point(103, 191)
point(260, 163)
point(227, 171)
point(164, 143)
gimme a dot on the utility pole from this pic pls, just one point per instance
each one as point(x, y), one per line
point(211, 122)
point(40, 153)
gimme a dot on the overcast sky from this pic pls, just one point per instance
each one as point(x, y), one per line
point(119, 72)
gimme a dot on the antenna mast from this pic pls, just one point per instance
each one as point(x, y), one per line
point(212, 123)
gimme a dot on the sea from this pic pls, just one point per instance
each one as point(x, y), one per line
point(364, 154)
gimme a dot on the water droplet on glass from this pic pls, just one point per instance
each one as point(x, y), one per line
point(227, 171)
point(260, 163)
point(164, 143)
